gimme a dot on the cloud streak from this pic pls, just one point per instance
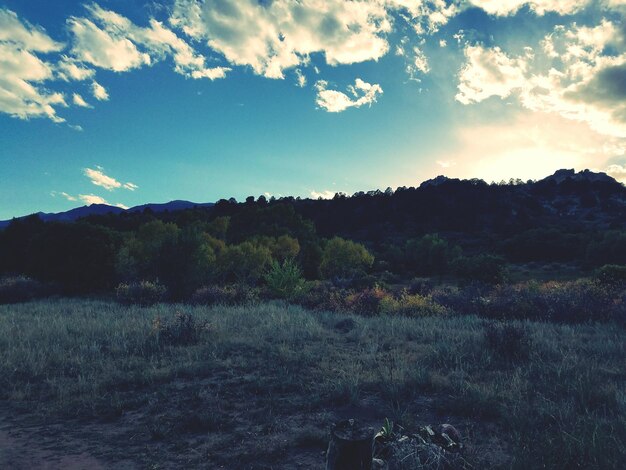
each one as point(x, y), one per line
point(109, 183)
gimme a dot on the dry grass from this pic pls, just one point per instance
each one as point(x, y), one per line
point(260, 385)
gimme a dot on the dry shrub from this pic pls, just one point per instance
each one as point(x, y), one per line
point(368, 301)
point(20, 289)
point(235, 294)
point(143, 293)
point(412, 306)
point(182, 330)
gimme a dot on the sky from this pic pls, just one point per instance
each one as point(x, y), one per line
point(128, 102)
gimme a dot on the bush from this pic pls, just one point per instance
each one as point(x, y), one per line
point(182, 330)
point(284, 280)
point(235, 294)
point(368, 301)
point(323, 295)
point(570, 302)
point(482, 268)
point(141, 293)
point(20, 289)
point(412, 305)
point(507, 341)
point(612, 275)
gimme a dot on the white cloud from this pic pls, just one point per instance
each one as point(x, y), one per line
point(323, 194)
point(300, 78)
point(271, 37)
point(121, 206)
point(617, 171)
point(90, 199)
point(425, 16)
point(24, 35)
point(488, 72)
point(420, 62)
point(79, 101)
point(509, 7)
point(99, 92)
point(446, 163)
point(98, 178)
point(333, 101)
point(578, 73)
point(22, 72)
point(109, 183)
point(63, 194)
point(70, 70)
point(106, 50)
point(111, 41)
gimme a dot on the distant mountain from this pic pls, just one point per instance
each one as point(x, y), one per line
point(103, 209)
point(561, 176)
point(169, 206)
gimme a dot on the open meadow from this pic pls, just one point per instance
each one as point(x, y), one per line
point(95, 384)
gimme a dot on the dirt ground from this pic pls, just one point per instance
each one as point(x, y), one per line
point(151, 439)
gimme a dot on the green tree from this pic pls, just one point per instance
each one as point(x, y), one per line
point(284, 280)
point(344, 258)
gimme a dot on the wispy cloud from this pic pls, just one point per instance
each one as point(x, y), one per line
point(446, 163)
point(63, 194)
point(109, 183)
point(98, 178)
point(92, 199)
point(362, 93)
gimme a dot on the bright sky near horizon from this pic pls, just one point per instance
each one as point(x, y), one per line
point(128, 102)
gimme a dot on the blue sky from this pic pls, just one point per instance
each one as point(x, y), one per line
point(128, 102)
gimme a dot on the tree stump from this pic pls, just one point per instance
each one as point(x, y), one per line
point(351, 446)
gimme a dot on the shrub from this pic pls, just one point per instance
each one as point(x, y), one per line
point(507, 341)
point(235, 294)
point(483, 268)
point(182, 330)
point(141, 293)
point(412, 305)
point(20, 289)
point(284, 280)
point(368, 301)
point(323, 295)
point(612, 275)
point(570, 302)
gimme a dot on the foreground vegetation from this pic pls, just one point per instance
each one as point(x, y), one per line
point(257, 386)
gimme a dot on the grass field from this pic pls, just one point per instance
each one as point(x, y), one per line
point(258, 386)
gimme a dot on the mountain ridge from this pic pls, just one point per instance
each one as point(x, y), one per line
point(559, 177)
